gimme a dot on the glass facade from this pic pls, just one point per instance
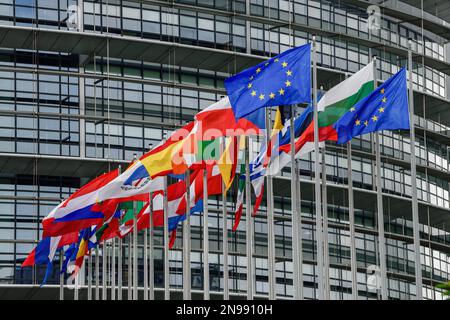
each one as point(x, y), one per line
point(63, 107)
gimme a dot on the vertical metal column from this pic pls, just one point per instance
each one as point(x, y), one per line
point(135, 251)
point(205, 237)
point(104, 270)
point(151, 275)
point(318, 207)
point(89, 293)
point(146, 264)
point(351, 217)
point(130, 269)
point(113, 269)
point(249, 224)
point(119, 268)
point(326, 257)
point(97, 273)
point(61, 276)
point(380, 214)
point(270, 222)
point(414, 203)
point(166, 244)
point(226, 293)
point(187, 243)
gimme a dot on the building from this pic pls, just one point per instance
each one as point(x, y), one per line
point(87, 84)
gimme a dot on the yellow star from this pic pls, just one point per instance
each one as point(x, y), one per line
point(384, 100)
point(251, 78)
point(249, 85)
point(272, 95)
point(258, 70)
point(276, 60)
point(382, 91)
point(374, 118)
point(284, 64)
point(281, 92)
point(261, 97)
point(358, 122)
point(288, 83)
point(352, 109)
point(253, 93)
point(289, 73)
point(381, 110)
point(366, 123)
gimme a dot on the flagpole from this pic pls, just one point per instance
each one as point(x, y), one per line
point(146, 264)
point(151, 276)
point(187, 242)
point(326, 262)
point(61, 276)
point(104, 270)
point(119, 269)
point(89, 293)
point(135, 257)
point(414, 203)
point(205, 237)
point(351, 215)
point(270, 221)
point(295, 218)
point(380, 214)
point(226, 294)
point(130, 269)
point(249, 223)
point(97, 272)
point(166, 244)
point(319, 232)
point(113, 269)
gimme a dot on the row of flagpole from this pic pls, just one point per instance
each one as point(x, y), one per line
point(321, 225)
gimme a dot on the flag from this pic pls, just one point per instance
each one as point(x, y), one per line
point(240, 198)
point(386, 108)
point(228, 161)
point(282, 80)
point(76, 213)
point(331, 106)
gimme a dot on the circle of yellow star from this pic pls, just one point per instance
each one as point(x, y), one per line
point(381, 110)
point(374, 118)
point(384, 100)
point(276, 60)
point(382, 91)
point(251, 78)
point(258, 70)
point(289, 73)
point(249, 85)
point(284, 64)
point(357, 122)
point(366, 123)
point(288, 83)
point(352, 109)
point(281, 91)
point(261, 97)
point(272, 95)
point(253, 93)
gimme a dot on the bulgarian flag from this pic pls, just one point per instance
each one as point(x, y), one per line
point(332, 106)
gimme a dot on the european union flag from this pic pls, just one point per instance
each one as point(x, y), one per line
point(282, 80)
point(386, 108)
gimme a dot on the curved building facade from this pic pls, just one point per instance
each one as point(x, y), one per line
point(85, 85)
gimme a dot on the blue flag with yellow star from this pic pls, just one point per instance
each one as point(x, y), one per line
point(282, 80)
point(386, 108)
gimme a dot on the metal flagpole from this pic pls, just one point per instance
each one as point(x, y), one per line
point(326, 262)
point(130, 269)
point(113, 269)
point(135, 257)
point(351, 215)
point(146, 264)
point(187, 243)
point(166, 244)
point(248, 223)
point(104, 270)
point(295, 217)
point(270, 221)
point(319, 232)
point(380, 215)
point(89, 293)
point(226, 293)
point(151, 276)
point(205, 237)
point(77, 283)
point(119, 269)
point(61, 276)
point(300, 230)
point(97, 273)
point(415, 205)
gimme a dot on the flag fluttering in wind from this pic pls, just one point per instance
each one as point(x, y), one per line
point(282, 80)
point(386, 108)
